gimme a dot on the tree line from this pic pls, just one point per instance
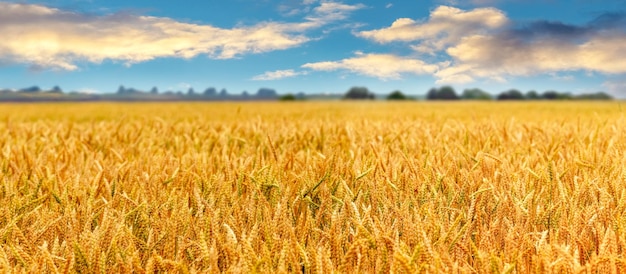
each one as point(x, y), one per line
point(36, 93)
point(211, 92)
point(447, 93)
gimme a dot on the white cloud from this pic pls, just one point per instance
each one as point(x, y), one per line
point(332, 11)
point(278, 74)
point(495, 56)
point(616, 87)
point(484, 44)
point(453, 75)
point(445, 26)
point(52, 38)
point(382, 66)
point(389, 5)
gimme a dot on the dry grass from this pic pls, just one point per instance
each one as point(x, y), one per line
point(313, 187)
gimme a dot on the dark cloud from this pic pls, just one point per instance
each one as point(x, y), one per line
point(610, 20)
point(549, 29)
point(555, 30)
point(543, 46)
point(485, 44)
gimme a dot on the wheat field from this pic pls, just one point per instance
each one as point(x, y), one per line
point(313, 187)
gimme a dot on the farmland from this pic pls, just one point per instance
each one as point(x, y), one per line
point(318, 187)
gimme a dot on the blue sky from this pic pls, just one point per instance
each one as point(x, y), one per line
point(314, 46)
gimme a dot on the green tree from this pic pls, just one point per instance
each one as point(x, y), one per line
point(532, 95)
point(287, 97)
point(396, 95)
point(432, 94)
point(447, 93)
point(359, 93)
point(512, 94)
point(475, 94)
point(594, 96)
point(33, 89)
point(266, 93)
point(56, 89)
point(550, 95)
point(555, 95)
point(443, 93)
point(210, 92)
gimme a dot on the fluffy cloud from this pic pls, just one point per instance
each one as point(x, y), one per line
point(541, 47)
point(333, 11)
point(445, 26)
point(278, 74)
point(484, 44)
point(382, 66)
point(46, 37)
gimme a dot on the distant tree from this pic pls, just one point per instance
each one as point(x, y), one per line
point(359, 93)
point(132, 91)
point(432, 94)
point(33, 89)
point(443, 93)
point(56, 89)
point(210, 92)
point(512, 94)
point(550, 95)
point(594, 96)
point(245, 94)
point(475, 94)
point(565, 96)
point(121, 90)
point(266, 93)
point(154, 91)
point(223, 92)
point(447, 93)
point(287, 97)
point(300, 96)
point(396, 95)
point(191, 92)
point(532, 95)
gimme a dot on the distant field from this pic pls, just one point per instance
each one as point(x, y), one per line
point(314, 187)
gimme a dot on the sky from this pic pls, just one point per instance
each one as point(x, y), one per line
point(314, 46)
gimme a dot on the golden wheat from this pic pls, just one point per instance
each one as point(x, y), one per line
point(316, 187)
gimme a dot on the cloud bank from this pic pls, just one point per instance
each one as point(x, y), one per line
point(484, 44)
point(541, 47)
point(45, 37)
point(445, 26)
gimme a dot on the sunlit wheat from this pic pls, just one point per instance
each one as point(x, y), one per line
point(313, 187)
